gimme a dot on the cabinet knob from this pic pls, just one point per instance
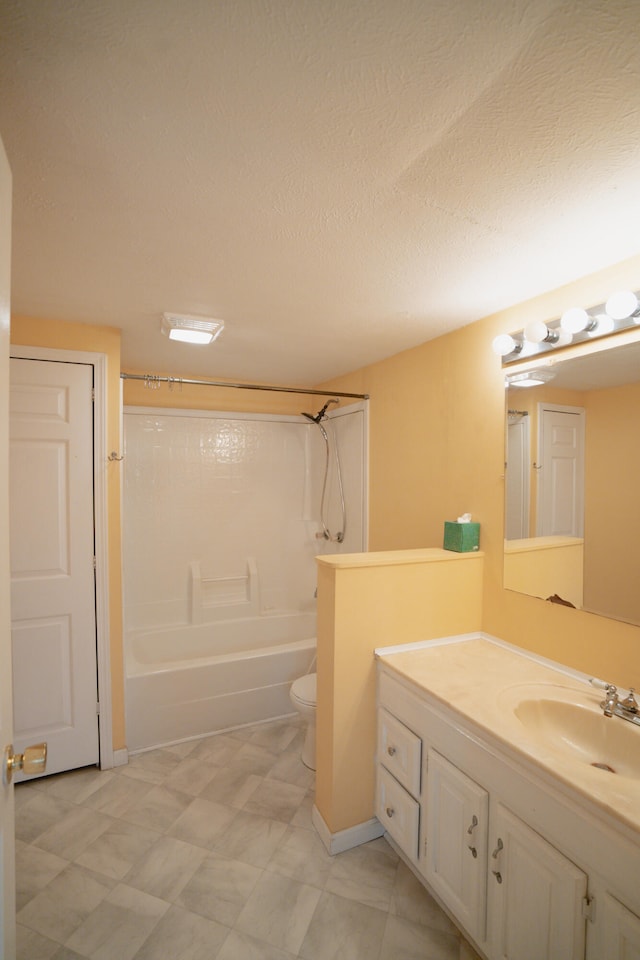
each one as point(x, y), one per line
point(391, 751)
point(389, 812)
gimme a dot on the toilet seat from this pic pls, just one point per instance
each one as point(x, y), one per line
point(304, 689)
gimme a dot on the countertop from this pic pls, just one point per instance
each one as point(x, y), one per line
point(482, 680)
point(394, 558)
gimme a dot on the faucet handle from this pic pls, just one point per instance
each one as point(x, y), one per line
point(610, 701)
point(630, 704)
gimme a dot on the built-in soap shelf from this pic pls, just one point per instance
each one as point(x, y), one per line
point(224, 598)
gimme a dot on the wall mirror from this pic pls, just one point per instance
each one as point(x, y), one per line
point(572, 501)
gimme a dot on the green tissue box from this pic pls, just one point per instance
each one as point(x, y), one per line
point(461, 537)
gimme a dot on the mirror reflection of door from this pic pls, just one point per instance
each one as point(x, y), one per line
point(517, 475)
point(560, 471)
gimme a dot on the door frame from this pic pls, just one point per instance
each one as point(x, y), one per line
point(100, 460)
point(518, 424)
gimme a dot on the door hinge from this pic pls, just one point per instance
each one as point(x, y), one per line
point(93, 394)
point(95, 564)
point(98, 707)
point(589, 908)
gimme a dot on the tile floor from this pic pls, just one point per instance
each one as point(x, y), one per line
point(206, 851)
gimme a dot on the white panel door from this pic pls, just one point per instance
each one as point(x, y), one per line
point(53, 624)
point(561, 472)
point(7, 843)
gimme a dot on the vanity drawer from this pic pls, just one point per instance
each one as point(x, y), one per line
point(398, 812)
point(400, 750)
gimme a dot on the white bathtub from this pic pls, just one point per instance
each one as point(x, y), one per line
point(189, 681)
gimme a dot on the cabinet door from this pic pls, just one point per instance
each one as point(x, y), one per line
point(535, 895)
point(620, 938)
point(457, 822)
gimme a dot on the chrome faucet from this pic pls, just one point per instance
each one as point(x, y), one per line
point(612, 705)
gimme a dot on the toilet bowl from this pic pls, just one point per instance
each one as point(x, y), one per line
point(303, 698)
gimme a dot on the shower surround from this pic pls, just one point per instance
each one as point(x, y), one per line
point(221, 512)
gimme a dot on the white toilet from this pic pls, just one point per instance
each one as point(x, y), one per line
point(303, 698)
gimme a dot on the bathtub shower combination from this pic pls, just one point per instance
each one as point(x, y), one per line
point(224, 514)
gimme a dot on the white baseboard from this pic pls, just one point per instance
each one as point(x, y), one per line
point(120, 757)
point(346, 839)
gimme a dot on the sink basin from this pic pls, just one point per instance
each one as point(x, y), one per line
point(580, 732)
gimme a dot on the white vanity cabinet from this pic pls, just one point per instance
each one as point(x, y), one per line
point(527, 872)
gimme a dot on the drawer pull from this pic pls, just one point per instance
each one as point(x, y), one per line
point(391, 751)
point(389, 812)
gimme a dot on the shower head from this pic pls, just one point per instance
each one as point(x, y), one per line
point(320, 415)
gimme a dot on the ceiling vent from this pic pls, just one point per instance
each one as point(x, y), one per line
point(191, 329)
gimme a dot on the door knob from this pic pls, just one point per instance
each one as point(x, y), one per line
point(32, 761)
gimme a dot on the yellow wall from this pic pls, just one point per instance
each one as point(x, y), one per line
point(437, 449)
point(612, 513)
point(546, 566)
point(369, 601)
point(58, 335)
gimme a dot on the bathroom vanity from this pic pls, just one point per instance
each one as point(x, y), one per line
point(486, 786)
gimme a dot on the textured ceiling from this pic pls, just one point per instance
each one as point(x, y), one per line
point(336, 179)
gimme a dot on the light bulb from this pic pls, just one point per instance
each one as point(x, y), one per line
point(564, 338)
point(622, 304)
point(504, 344)
point(603, 325)
point(575, 320)
point(538, 332)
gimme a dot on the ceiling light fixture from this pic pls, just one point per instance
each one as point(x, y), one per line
point(190, 329)
point(620, 312)
point(530, 378)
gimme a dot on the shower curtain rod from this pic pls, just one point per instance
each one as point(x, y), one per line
point(156, 380)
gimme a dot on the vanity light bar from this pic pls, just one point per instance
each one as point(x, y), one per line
point(576, 325)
